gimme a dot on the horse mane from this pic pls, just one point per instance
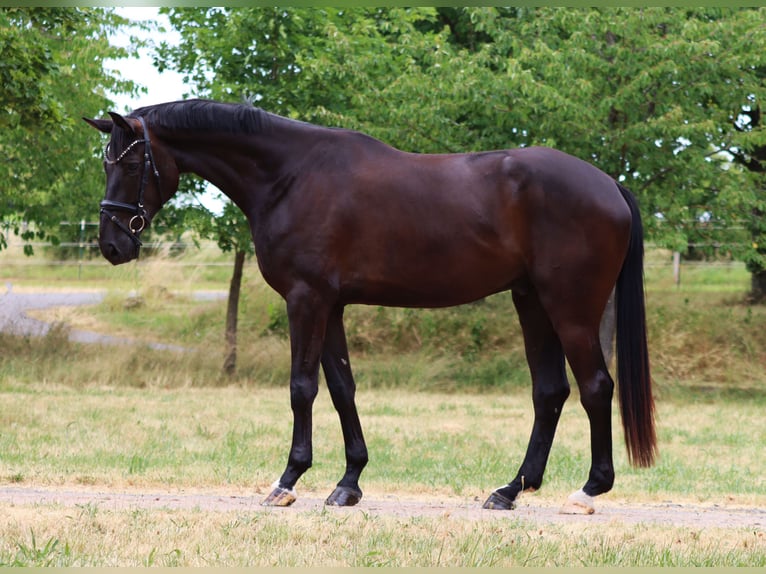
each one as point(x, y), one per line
point(207, 115)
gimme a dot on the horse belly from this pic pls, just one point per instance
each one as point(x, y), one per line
point(413, 277)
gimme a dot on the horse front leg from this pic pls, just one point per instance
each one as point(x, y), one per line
point(340, 382)
point(307, 315)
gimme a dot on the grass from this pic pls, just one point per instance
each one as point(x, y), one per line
point(96, 537)
point(423, 446)
point(445, 403)
point(204, 268)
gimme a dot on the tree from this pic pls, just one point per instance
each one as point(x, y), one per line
point(750, 153)
point(51, 71)
point(650, 95)
point(673, 85)
point(231, 232)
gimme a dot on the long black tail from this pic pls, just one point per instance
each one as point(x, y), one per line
point(635, 383)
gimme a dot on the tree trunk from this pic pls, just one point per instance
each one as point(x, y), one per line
point(758, 286)
point(232, 310)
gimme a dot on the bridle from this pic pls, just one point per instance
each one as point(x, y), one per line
point(138, 222)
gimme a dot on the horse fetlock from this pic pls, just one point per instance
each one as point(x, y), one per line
point(528, 484)
point(299, 461)
point(356, 459)
point(600, 480)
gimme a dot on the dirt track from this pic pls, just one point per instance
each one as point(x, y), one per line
point(703, 516)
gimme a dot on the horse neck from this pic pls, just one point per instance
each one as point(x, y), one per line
point(244, 166)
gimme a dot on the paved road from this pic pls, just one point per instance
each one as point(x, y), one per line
point(14, 318)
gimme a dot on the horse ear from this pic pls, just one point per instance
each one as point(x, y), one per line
point(101, 125)
point(122, 122)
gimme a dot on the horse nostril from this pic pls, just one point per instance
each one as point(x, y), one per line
point(111, 253)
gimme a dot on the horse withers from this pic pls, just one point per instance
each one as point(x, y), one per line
point(339, 218)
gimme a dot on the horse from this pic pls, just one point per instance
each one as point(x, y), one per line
point(339, 218)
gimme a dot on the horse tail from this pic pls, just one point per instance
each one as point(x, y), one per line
point(635, 384)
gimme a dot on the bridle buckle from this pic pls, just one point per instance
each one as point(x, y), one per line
point(135, 230)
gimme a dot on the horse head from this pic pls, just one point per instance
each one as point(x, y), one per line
point(141, 176)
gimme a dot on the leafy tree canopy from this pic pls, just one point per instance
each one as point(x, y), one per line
point(667, 100)
point(52, 73)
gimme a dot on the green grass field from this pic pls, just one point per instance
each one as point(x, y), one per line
point(445, 402)
point(423, 446)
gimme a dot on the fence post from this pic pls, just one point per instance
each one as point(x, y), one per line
point(81, 250)
point(677, 268)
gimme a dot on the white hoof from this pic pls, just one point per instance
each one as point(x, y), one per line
point(280, 496)
point(578, 503)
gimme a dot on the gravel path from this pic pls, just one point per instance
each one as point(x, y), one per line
point(669, 514)
point(14, 318)
point(14, 307)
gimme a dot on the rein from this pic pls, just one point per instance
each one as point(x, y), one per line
point(137, 223)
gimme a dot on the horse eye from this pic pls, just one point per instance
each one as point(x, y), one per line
point(131, 167)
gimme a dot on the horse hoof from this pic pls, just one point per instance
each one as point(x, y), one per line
point(578, 503)
point(497, 501)
point(344, 496)
point(280, 497)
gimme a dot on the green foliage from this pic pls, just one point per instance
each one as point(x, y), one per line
point(52, 72)
point(277, 324)
point(52, 553)
point(653, 96)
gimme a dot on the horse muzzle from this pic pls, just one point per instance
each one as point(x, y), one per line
point(114, 247)
point(118, 252)
point(119, 242)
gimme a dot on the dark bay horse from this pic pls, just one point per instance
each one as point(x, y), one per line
point(338, 217)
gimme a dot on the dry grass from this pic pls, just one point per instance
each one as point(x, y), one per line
point(708, 340)
point(420, 443)
point(424, 446)
point(699, 338)
point(90, 535)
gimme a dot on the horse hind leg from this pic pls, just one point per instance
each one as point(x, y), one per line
point(340, 382)
point(550, 390)
point(596, 386)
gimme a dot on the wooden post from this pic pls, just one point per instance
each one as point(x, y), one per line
point(677, 268)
